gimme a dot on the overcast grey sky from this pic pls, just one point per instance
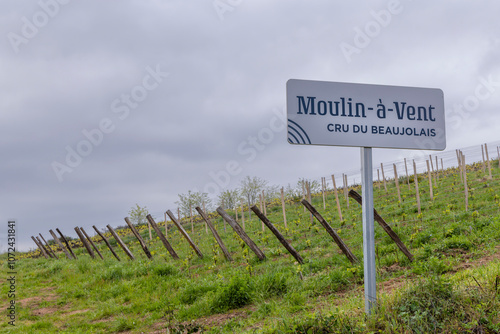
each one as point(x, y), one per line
point(105, 104)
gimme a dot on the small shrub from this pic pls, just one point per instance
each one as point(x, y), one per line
point(233, 295)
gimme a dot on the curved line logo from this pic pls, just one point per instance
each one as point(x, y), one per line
point(297, 135)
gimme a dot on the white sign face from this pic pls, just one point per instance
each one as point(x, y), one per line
point(348, 114)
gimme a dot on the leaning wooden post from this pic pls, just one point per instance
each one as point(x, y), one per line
point(120, 242)
point(56, 239)
point(488, 160)
point(66, 242)
point(383, 176)
point(184, 233)
point(51, 255)
point(466, 189)
point(437, 169)
point(498, 152)
point(396, 180)
point(407, 176)
point(42, 250)
point(283, 206)
point(278, 235)
point(261, 207)
point(162, 237)
point(430, 180)
point(416, 186)
point(84, 242)
point(139, 237)
point(357, 197)
point(215, 234)
point(48, 246)
point(343, 247)
point(92, 243)
point(106, 242)
point(337, 197)
point(237, 228)
point(484, 160)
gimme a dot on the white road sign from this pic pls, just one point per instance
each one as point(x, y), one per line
point(362, 115)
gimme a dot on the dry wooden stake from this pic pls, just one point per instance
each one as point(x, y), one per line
point(283, 207)
point(385, 226)
point(460, 171)
point(42, 250)
point(309, 198)
point(139, 237)
point(242, 217)
point(343, 247)
point(442, 166)
point(378, 174)
point(56, 239)
point(407, 176)
point(383, 176)
point(323, 191)
point(91, 242)
point(184, 233)
point(346, 190)
point(396, 180)
point(260, 203)
point(431, 193)
point(106, 242)
point(416, 186)
point(48, 246)
point(191, 218)
point(206, 226)
point(84, 242)
point(46, 249)
point(162, 237)
point(67, 243)
point(337, 197)
point(215, 234)
point(237, 228)
point(264, 202)
point(120, 242)
point(488, 160)
point(278, 235)
point(466, 189)
point(484, 160)
point(437, 169)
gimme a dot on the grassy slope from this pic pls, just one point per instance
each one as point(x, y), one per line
point(97, 296)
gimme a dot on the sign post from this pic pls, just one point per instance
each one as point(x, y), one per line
point(365, 116)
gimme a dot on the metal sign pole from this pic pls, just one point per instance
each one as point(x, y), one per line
point(368, 230)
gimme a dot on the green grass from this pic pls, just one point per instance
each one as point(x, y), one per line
point(323, 295)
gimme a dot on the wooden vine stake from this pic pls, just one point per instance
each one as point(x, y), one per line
point(48, 246)
point(51, 254)
point(460, 172)
point(237, 228)
point(343, 247)
point(431, 193)
point(42, 250)
point(84, 242)
point(139, 238)
point(323, 186)
point(309, 198)
point(466, 189)
point(383, 176)
point(66, 242)
point(162, 237)
point(484, 160)
point(337, 198)
point(120, 242)
point(407, 176)
point(378, 175)
point(385, 226)
point(283, 207)
point(106, 242)
point(396, 180)
point(416, 186)
point(184, 233)
point(91, 242)
point(488, 160)
point(242, 217)
point(215, 234)
point(278, 235)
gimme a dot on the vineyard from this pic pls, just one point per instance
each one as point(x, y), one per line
point(231, 273)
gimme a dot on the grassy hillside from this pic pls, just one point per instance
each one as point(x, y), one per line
point(453, 284)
